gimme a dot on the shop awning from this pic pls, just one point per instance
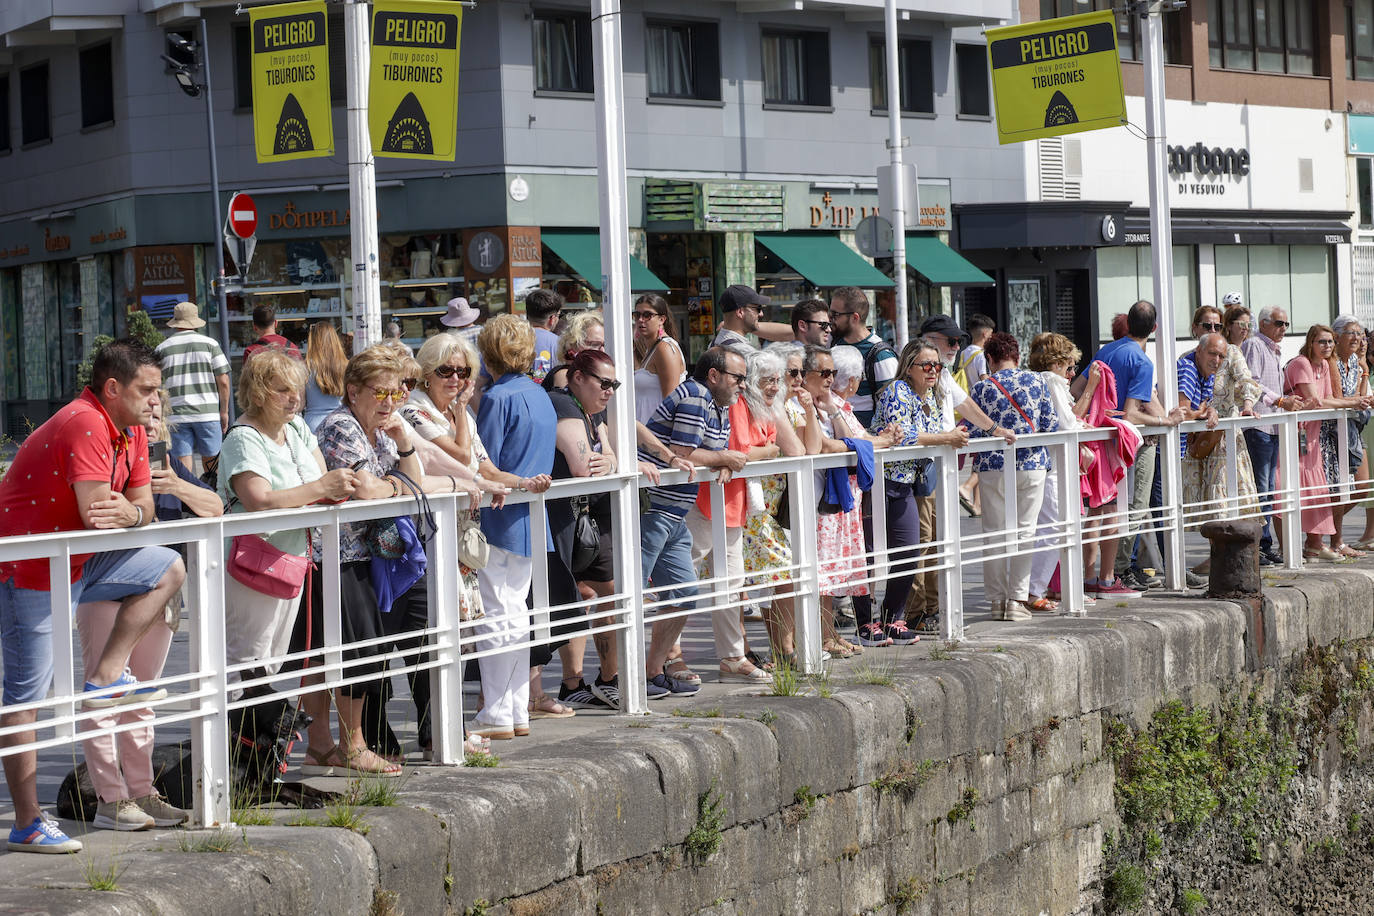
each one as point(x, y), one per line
point(581, 249)
point(939, 263)
point(823, 260)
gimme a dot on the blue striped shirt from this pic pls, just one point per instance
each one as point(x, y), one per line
point(1191, 388)
point(688, 417)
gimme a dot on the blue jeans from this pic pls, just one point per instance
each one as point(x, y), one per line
point(1264, 458)
point(665, 555)
point(26, 613)
point(202, 439)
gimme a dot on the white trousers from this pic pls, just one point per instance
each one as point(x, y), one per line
point(504, 582)
point(1046, 558)
point(1008, 579)
point(726, 623)
point(256, 627)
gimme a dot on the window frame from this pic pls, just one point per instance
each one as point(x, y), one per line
point(241, 46)
point(1353, 58)
point(1128, 35)
point(108, 84)
point(24, 141)
point(1225, 13)
point(582, 44)
point(876, 41)
point(704, 59)
point(6, 137)
point(959, 111)
point(814, 43)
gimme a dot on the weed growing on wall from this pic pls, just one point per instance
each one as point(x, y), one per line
point(703, 841)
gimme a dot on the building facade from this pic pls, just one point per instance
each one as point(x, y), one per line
point(746, 131)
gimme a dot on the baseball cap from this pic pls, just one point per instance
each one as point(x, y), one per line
point(946, 326)
point(739, 296)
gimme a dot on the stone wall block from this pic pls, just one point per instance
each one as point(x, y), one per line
point(879, 726)
point(1103, 680)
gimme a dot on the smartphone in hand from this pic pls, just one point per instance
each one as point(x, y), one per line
point(157, 454)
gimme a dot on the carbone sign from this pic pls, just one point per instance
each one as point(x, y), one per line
point(1057, 76)
point(413, 97)
point(291, 115)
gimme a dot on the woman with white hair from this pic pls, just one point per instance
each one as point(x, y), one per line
point(761, 426)
point(585, 331)
point(1348, 370)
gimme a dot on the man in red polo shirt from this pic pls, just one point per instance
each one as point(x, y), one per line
point(86, 467)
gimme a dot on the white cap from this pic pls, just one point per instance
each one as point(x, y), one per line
point(1232, 299)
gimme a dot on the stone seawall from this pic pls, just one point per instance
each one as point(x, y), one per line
point(977, 778)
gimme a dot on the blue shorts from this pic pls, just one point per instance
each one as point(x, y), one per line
point(204, 438)
point(665, 555)
point(26, 613)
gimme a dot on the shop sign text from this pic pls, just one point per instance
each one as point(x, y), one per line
point(1197, 160)
point(526, 249)
point(291, 218)
point(113, 235)
point(56, 242)
point(18, 251)
point(829, 216)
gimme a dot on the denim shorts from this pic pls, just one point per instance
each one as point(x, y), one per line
point(26, 613)
point(665, 556)
point(204, 438)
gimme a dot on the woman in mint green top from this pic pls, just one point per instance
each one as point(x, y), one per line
point(270, 460)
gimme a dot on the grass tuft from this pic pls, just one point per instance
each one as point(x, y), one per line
point(102, 875)
point(703, 841)
point(213, 841)
point(710, 712)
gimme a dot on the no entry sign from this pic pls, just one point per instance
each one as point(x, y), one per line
point(243, 216)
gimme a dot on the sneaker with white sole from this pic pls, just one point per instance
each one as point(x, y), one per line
point(1113, 589)
point(580, 697)
point(1012, 610)
point(901, 634)
point(42, 835)
point(161, 811)
point(123, 691)
point(608, 692)
point(872, 634)
point(121, 815)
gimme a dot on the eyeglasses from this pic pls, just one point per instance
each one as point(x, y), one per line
point(1353, 332)
point(607, 384)
point(1243, 326)
point(463, 372)
point(834, 313)
point(1209, 325)
point(824, 373)
point(770, 380)
point(410, 383)
point(795, 373)
point(737, 376)
point(929, 366)
point(397, 395)
point(1326, 342)
point(1277, 323)
point(644, 316)
point(825, 325)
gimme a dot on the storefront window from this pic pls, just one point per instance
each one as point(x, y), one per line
point(1296, 278)
point(1365, 190)
point(1126, 275)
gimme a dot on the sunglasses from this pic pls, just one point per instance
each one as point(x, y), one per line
point(644, 316)
point(606, 383)
point(410, 383)
point(931, 366)
point(1277, 323)
point(825, 325)
point(824, 373)
point(737, 376)
point(396, 395)
point(795, 373)
point(1209, 326)
point(836, 314)
point(463, 372)
point(1244, 326)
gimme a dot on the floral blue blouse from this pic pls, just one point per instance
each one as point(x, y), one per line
point(343, 443)
point(1029, 390)
point(898, 403)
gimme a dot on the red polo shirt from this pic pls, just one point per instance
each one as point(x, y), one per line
point(79, 442)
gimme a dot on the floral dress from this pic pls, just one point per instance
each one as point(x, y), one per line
point(430, 422)
point(840, 538)
point(1352, 373)
point(1204, 480)
point(767, 550)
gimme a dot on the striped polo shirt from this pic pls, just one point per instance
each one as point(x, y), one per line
point(190, 363)
point(687, 417)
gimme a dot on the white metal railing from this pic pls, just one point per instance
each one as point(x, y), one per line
point(201, 697)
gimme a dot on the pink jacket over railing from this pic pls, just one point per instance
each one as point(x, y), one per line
point(1112, 456)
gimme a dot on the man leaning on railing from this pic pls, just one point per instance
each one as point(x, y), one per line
point(86, 467)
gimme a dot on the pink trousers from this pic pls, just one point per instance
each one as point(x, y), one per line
point(121, 765)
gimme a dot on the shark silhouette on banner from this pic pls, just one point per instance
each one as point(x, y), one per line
point(293, 130)
point(1060, 111)
point(408, 129)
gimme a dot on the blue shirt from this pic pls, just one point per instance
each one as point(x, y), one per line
point(1193, 389)
point(688, 417)
point(518, 426)
point(545, 346)
point(1029, 390)
point(1135, 374)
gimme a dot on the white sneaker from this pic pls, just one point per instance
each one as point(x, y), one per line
point(121, 815)
point(162, 813)
point(1014, 610)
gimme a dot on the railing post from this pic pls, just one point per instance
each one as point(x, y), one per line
point(1071, 518)
point(1171, 467)
point(539, 570)
point(877, 499)
point(64, 675)
point(446, 680)
point(210, 730)
point(329, 571)
point(947, 533)
point(806, 583)
point(1231, 437)
point(1290, 519)
point(630, 580)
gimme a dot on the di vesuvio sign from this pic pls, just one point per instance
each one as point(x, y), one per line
point(413, 92)
point(1058, 76)
point(291, 114)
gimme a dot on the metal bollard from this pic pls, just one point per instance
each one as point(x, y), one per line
point(1235, 558)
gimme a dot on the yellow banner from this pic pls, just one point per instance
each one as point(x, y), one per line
point(1058, 76)
point(413, 92)
point(291, 115)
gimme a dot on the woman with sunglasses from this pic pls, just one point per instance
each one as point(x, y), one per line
point(659, 364)
point(910, 406)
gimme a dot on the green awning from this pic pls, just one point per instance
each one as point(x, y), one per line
point(581, 249)
point(939, 263)
point(823, 260)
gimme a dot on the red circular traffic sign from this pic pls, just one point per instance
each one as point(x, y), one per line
point(243, 216)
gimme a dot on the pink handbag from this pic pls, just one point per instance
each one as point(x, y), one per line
point(256, 563)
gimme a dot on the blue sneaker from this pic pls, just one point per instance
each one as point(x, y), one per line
point(654, 689)
point(43, 835)
point(126, 691)
point(672, 686)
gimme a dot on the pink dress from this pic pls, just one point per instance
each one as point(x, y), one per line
point(840, 535)
point(1316, 494)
